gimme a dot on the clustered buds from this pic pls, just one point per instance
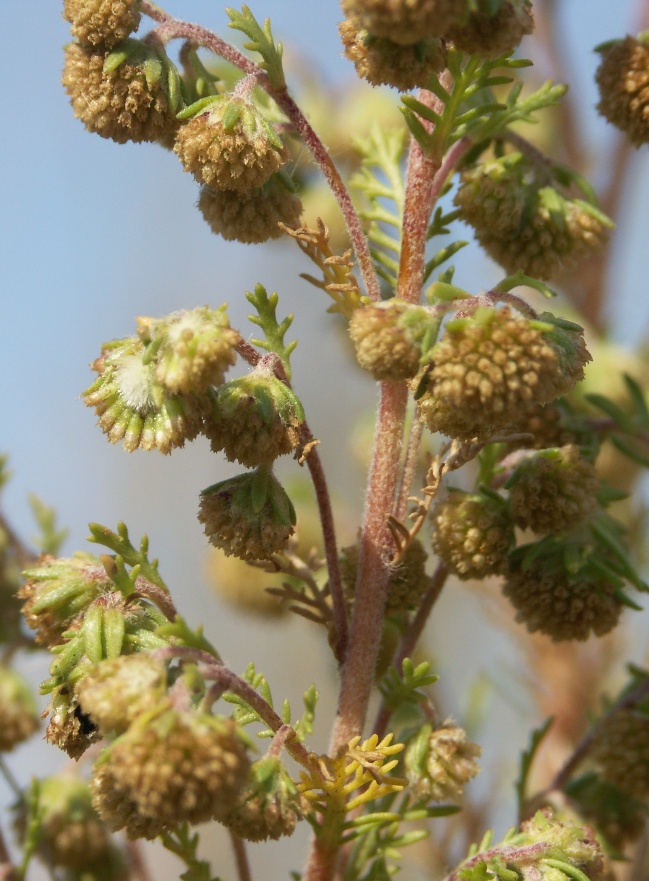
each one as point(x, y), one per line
point(17, 709)
point(492, 369)
point(255, 418)
point(389, 337)
point(575, 845)
point(623, 80)
point(408, 580)
point(249, 516)
point(439, 762)
point(194, 348)
point(473, 533)
point(102, 23)
point(382, 61)
point(269, 806)
point(621, 750)
point(251, 217)
point(553, 490)
point(525, 220)
point(171, 768)
point(402, 43)
point(230, 145)
point(127, 95)
point(563, 604)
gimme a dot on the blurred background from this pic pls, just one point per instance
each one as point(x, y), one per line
point(93, 234)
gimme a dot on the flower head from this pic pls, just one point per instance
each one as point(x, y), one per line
point(623, 80)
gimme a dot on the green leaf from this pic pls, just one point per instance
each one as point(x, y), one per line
point(304, 726)
point(527, 758)
point(274, 331)
point(50, 539)
point(120, 543)
point(261, 40)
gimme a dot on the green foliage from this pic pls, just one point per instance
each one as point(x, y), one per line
point(304, 725)
point(185, 846)
point(50, 539)
point(469, 109)
point(261, 40)
point(274, 331)
point(120, 543)
point(629, 429)
point(406, 690)
point(380, 180)
point(243, 713)
point(527, 760)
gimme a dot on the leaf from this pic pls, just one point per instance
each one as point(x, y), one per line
point(274, 331)
point(50, 539)
point(527, 758)
point(261, 40)
point(120, 543)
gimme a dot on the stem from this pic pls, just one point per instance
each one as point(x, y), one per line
point(11, 781)
point(241, 857)
point(323, 498)
point(140, 868)
point(412, 635)
point(171, 28)
point(331, 173)
point(409, 467)
point(420, 194)
point(519, 856)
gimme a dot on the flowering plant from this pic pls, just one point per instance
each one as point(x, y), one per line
point(493, 463)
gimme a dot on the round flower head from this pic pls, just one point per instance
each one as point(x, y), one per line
point(553, 490)
point(117, 690)
point(134, 407)
point(255, 419)
point(252, 217)
point(408, 581)
point(525, 220)
point(194, 348)
point(58, 591)
point(388, 337)
point(438, 763)
point(229, 145)
point(549, 599)
point(492, 369)
point(575, 845)
point(17, 709)
point(102, 23)
point(623, 81)
point(473, 534)
point(70, 832)
point(249, 516)
point(621, 750)
point(381, 61)
point(490, 34)
point(405, 21)
point(176, 767)
point(269, 806)
point(128, 95)
point(116, 808)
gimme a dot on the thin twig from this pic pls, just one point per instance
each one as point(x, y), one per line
point(138, 863)
point(241, 857)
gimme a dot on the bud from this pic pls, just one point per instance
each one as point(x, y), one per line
point(473, 534)
point(575, 845)
point(251, 217)
point(70, 833)
point(255, 419)
point(492, 33)
point(18, 715)
point(194, 348)
point(134, 407)
point(439, 763)
point(621, 750)
point(525, 220)
point(563, 604)
point(382, 61)
point(389, 337)
point(489, 371)
point(553, 490)
point(128, 95)
point(229, 145)
point(102, 23)
point(171, 768)
point(269, 806)
point(58, 591)
point(623, 80)
point(249, 515)
point(403, 21)
point(117, 690)
point(408, 580)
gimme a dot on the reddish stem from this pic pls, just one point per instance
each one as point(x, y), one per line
point(241, 857)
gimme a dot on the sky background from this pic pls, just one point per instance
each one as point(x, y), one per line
point(93, 234)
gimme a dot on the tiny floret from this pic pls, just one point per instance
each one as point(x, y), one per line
point(102, 23)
